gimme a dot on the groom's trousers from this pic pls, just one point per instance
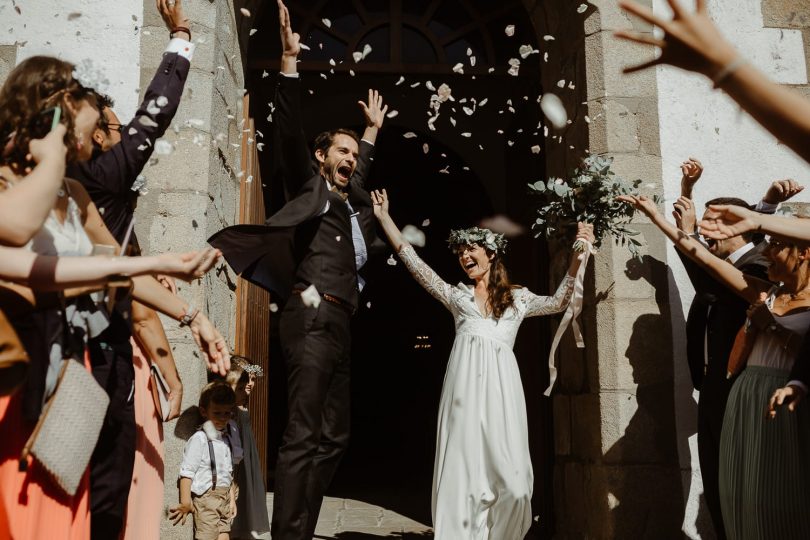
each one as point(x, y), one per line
point(316, 345)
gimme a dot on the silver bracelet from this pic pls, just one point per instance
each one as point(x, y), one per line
point(188, 315)
point(727, 70)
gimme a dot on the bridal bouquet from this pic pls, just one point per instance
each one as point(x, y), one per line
point(589, 195)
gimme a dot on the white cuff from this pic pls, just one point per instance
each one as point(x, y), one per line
point(368, 141)
point(290, 75)
point(766, 208)
point(798, 384)
point(182, 47)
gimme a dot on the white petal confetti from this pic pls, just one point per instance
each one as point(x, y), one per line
point(469, 51)
point(253, 31)
point(337, 238)
point(466, 134)
point(132, 131)
point(410, 135)
point(311, 297)
point(548, 38)
point(429, 86)
point(265, 74)
point(426, 148)
point(162, 101)
point(503, 225)
point(332, 62)
point(458, 68)
point(483, 102)
point(426, 223)
point(536, 149)
point(151, 108)
point(304, 46)
point(582, 8)
point(357, 55)
point(468, 111)
point(392, 114)
point(245, 12)
point(510, 30)
point(453, 121)
point(514, 68)
point(146, 121)
point(326, 22)
point(472, 61)
point(351, 72)
point(561, 83)
point(413, 236)
point(417, 83)
point(554, 110)
point(446, 170)
point(273, 307)
point(400, 81)
point(391, 261)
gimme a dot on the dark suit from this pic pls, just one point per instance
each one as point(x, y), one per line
point(715, 317)
point(109, 177)
point(307, 242)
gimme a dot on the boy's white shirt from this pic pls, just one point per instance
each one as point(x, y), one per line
point(196, 462)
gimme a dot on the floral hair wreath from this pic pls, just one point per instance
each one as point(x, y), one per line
point(246, 366)
point(494, 242)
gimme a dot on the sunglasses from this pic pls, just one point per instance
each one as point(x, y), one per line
point(116, 127)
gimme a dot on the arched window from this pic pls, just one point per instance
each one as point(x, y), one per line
point(409, 36)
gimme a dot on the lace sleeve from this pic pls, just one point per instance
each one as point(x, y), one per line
point(427, 278)
point(548, 305)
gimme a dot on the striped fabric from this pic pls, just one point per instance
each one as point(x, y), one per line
point(764, 463)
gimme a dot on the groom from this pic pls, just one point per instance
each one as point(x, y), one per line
point(321, 237)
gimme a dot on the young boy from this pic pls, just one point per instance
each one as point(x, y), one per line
point(206, 473)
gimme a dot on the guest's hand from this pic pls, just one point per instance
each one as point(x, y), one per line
point(691, 170)
point(380, 200)
point(691, 40)
point(641, 203)
point(374, 110)
point(212, 344)
point(172, 13)
point(782, 190)
point(728, 221)
point(684, 214)
point(179, 513)
point(175, 400)
point(290, 41)
point(51, 146)
point(187, 266)
point(585, 233)
point(790, 395)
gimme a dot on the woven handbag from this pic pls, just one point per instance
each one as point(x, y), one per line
point(13, 358)
point(68, 427)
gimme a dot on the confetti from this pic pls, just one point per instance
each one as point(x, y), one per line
point(458, 68)
point(453, 121)
point(514, 68)
point(245, 12)
point(410, 135)
point(151, 108)
point(332, 62)
point(163, 148)
point(368, 305)
point(429, 86)
point(426, 223)
point(426, 148)
point(468, 111)
point(413, 236)
point(311, 297)
point(587, 119)
point(446, 170)
point(253, 31)
point(273, 307)
point(357, 56)
point(265, 74)
point(305, 46)
point(483, 102)
point(503, 225)
point(146, 121)
point(400, 81)
point(554, 110)
point(561, 83)
point(392, 114)
point(571, 85)
point(510, 30)
point(132, 131)
point(466, 134)
point(391, 261)
point(545, 57)
point(472, 61)
point(536, 149)
point(582, 8)
point(326, 22)
point(337, 238)
point(469, 51)
point(548, 38)
point(162, 101)
point(414, 85)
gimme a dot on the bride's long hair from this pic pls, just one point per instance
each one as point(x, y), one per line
point(499, 288)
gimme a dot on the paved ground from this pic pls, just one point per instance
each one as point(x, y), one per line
point(348, 519)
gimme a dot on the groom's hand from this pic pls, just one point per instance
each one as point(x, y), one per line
point(374, 111)
point(290, 41)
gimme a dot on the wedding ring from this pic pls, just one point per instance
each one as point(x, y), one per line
point(170, 3)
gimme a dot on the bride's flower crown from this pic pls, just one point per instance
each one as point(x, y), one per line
point(485, 238)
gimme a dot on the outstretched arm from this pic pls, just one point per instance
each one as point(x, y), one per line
point(692, 42)
point(427, 278)
point(731, 221)
point(748, 287)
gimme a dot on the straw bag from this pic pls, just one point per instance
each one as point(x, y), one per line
point(67, 431)
point(13, 358)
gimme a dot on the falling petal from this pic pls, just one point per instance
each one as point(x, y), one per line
point(413, 236)
point(545, 56)
point(468, 111)
point(265, 74)
point(357, 56)
point(368, 305)
point(453, 121)
point(458, 68)
point(253, 31)
point(273, 307)
point(527, 50)
point(245, 12)
point(510, 30)
point(554, 110)
point(536, 149)
point(426, 148)
point(326, 22)
point(311, 297)
point(548, 38)
point(305, 46)
point(466, 134)
point(426, 223)
point(472, 61)
point(337, 238)
point(446, 170)
point(366, 50)
point(400, 81)
point(351, 72)
point(503, 225)
point(483, 102)
point(587, 119)
point(391, 261)
point(146, 121)
point(132, 131)
point(410, 135)
point(582, 8)
point(469, 51)
point(417, 83)
point(571, 85)
point(429, 86)
point(392, 114)
point(332, 62)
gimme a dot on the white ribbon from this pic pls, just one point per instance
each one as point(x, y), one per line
point(570, 317)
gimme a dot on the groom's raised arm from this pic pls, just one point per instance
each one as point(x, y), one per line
point(296, 163)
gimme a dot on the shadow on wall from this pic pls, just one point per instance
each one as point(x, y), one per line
point(646, 483)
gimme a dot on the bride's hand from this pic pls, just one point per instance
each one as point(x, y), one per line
point(585, 233)
point(641, 203)
point(380, 200)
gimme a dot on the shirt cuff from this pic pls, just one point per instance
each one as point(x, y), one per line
point(181, 47)
point(186, 474)
point(798, 383)
point(368, 141)
point(766, 208)
point(289, 75)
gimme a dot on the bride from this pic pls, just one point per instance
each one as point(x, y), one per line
point(482, 476)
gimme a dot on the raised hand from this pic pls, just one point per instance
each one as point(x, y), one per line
point(171, 11)
point(51, 146)
point(187, 266)
point(374, 110)
point(290, 41)
point(691, 40)
point(727, 221)
point(380, 200)
point(691, 169)
point(684, 214)
point(788, 395)
point(585, 233)
point(212, 344)
point(782, 190)
point(641, 203)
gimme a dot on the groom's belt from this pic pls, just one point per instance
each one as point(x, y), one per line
point(331, 299)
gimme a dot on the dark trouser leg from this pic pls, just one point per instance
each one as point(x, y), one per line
point(710, 422)
point(315, 343)
point(114, 456)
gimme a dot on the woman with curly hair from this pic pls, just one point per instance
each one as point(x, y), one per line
point(482, 476)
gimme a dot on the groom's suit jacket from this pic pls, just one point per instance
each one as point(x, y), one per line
point(303, 244)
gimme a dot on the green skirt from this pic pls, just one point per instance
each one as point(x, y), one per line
point(764, 463)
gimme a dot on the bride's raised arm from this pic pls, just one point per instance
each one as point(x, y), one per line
point(424, 274)
point(548, 305)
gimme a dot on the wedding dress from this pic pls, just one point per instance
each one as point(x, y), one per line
point(482, 475)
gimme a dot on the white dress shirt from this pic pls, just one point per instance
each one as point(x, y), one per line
point(196, 462)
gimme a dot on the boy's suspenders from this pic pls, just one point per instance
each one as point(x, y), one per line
point(213, 464)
